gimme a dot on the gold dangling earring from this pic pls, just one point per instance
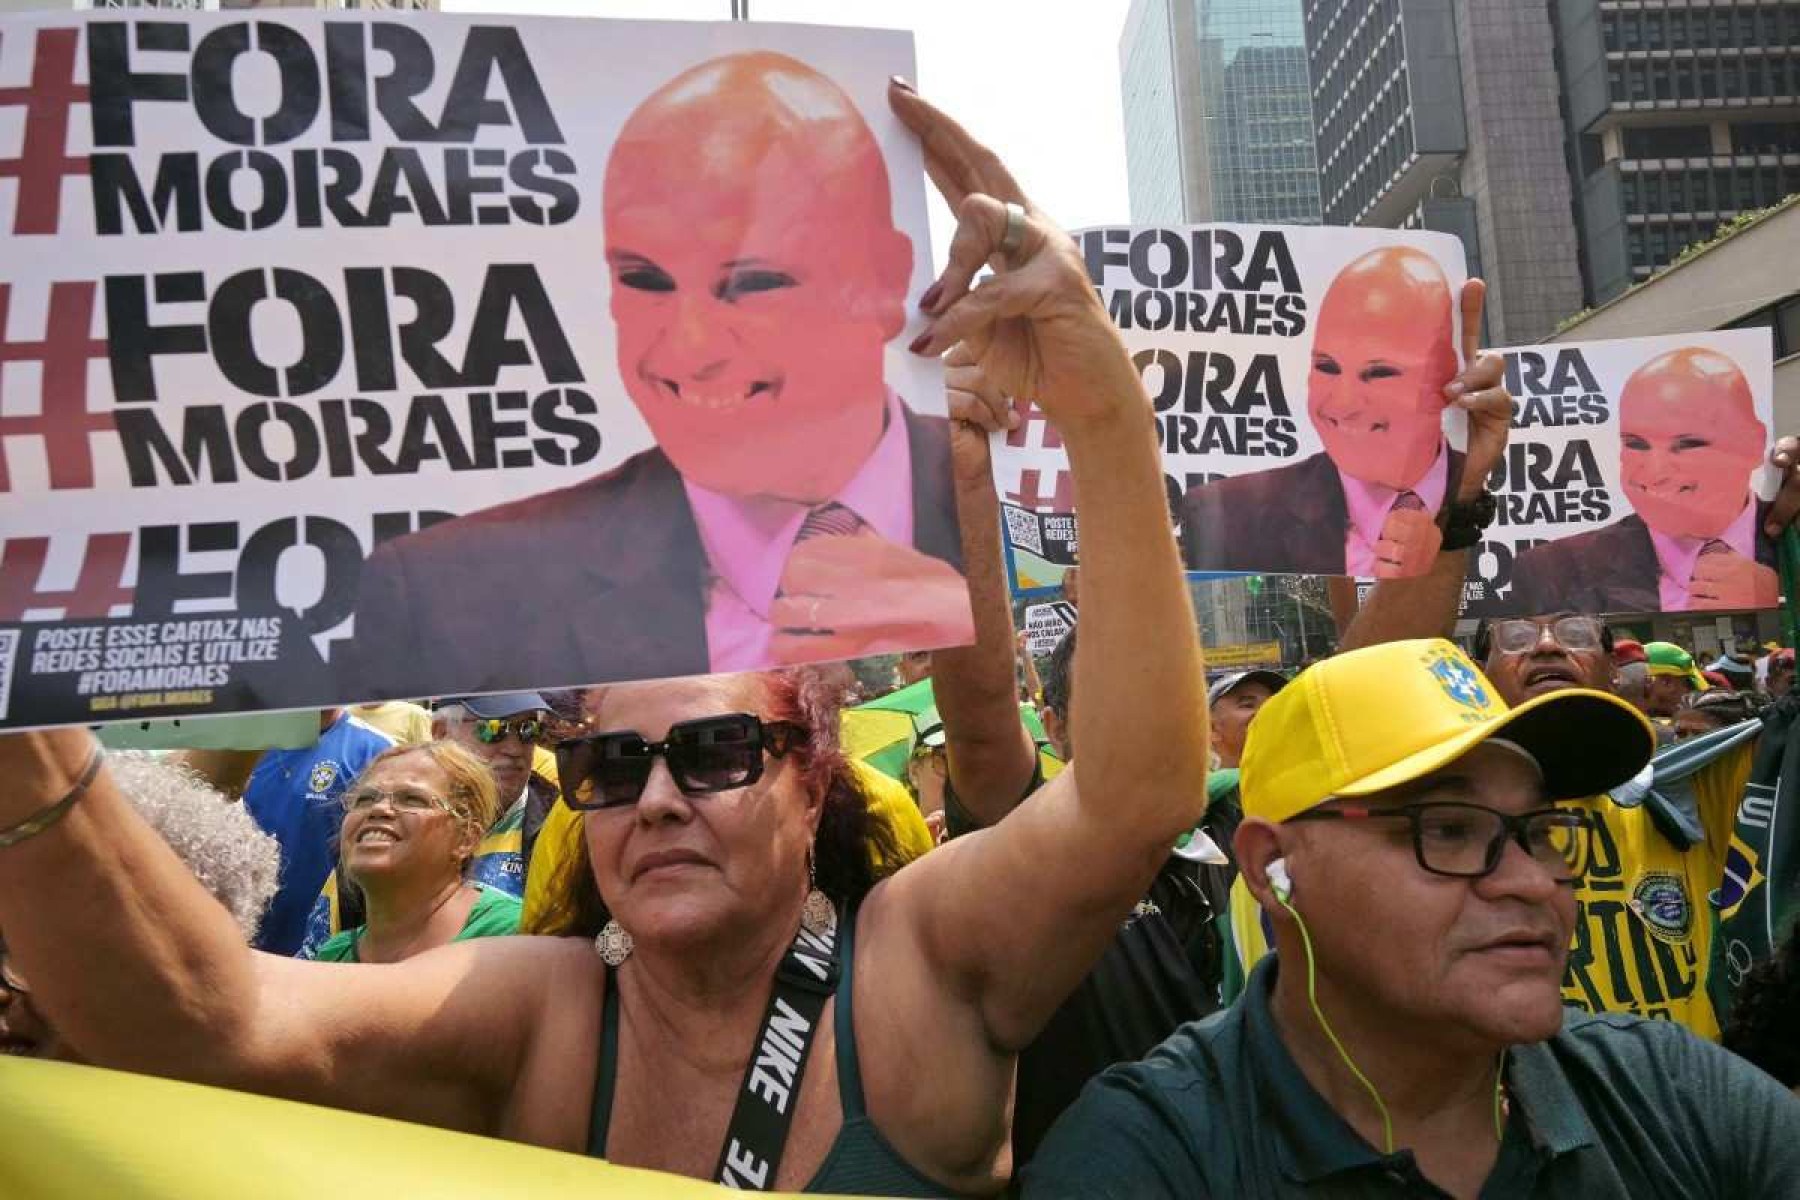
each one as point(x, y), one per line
point(817, 915)
point(613, 944)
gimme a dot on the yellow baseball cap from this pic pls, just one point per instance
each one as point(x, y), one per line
point(1372, 719)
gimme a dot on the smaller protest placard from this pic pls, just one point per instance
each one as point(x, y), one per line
point(1047, 624)
point(1296, 377)
point(1635, 478)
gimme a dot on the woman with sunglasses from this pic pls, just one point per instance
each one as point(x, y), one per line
point(761, 1010)
point(412, 821)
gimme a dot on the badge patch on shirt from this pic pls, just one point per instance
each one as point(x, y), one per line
point(1661, 899)
point(324, 774)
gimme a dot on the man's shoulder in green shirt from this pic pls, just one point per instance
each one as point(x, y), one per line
point(495, 914)
point(1612, 1106)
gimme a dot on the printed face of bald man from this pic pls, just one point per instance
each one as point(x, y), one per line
point(1383, 349)
point(1688, 441)
point(756, 276)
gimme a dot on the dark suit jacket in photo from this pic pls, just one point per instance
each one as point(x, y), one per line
point(601, 581)
point(1610, 570)
point(1285, 520)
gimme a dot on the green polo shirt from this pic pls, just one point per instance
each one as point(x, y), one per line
point(1612, 1106)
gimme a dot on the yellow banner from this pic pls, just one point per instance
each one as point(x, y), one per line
point(1251, 654)
point(78, 1133)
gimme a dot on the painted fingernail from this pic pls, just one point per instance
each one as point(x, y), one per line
point(918, 343)
point(929, 300)
point(901, 82)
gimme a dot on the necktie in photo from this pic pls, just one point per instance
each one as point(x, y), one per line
point(829, 520)
point(826, 520)
point(1408, 502)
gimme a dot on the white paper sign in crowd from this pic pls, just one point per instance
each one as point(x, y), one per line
point(283, 291)
point(1046, 625)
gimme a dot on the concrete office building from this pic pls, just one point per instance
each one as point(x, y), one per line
point(1218, 115)
point(1668, 118)
point(1680, 117)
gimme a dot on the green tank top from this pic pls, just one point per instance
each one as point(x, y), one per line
point(860, 1161)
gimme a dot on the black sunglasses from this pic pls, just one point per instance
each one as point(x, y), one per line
point(529, 730)
point(709, 754)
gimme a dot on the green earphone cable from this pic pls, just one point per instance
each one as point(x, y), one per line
point(1312, 998)
point(1387, 1125)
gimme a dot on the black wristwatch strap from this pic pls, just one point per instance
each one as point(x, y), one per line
point(1465, 521)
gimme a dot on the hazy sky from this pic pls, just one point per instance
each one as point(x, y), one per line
point(1038, 82)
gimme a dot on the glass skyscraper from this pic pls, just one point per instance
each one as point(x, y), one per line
point(1258, 106)
point(1218, 112)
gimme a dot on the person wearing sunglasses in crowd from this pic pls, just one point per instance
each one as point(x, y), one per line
point(870, 1047)
point(505, 731)
point(1408, 836)
point(412, 822)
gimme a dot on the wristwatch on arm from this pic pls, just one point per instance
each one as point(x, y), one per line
point(1466, 520)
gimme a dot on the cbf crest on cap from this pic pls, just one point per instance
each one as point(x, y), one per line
point(1373, 719)
point(1459, 679)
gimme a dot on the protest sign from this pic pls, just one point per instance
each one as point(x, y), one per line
point(346, 357)
point(1635, 478)
point(1046, 625)
point(1297, 380)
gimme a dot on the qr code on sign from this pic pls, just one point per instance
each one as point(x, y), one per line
point(1022, 530)
point(9, 654)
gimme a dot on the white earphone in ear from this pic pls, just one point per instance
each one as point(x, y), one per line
point(1278, 879)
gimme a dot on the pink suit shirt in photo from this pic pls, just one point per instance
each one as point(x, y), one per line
point(748, 540)
point(1677, 556)
point(1369, 504)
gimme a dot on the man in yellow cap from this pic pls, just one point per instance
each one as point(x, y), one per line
point(1407, 1038)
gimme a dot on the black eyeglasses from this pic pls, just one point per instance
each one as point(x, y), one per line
point(1466, 841)
point(710, 754)
point(1519, 634)
point(529, 730)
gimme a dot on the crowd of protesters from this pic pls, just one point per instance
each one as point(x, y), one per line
point(1421, 920)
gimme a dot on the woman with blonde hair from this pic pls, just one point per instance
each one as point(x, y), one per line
point(412, 821)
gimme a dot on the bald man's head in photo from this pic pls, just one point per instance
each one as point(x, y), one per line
point(1689, 439)
point(1384, 346)
point(757, 275)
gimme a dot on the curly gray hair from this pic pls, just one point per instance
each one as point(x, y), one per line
point(234, 859)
